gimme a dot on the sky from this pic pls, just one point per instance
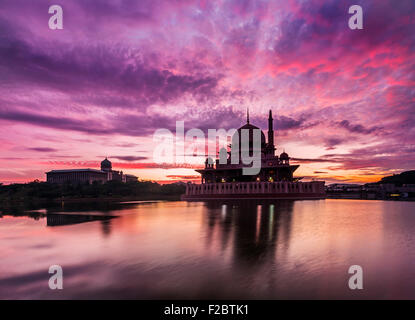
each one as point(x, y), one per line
point(343, 100)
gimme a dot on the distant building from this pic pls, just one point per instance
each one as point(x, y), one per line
point(106, 166)
point(343, 187)
point(389, 191)
point(75, 176)
point(130, 178)
point(394, 187)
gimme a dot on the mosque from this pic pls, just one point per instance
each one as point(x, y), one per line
point(223, 178)
point(273, 167)
point(76, 176)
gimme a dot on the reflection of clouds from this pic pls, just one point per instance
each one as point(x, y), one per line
point(256, 250)
point(77, 278)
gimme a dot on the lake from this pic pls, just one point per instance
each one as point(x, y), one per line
point(210, 250)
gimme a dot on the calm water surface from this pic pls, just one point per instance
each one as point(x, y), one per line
point(168, 250)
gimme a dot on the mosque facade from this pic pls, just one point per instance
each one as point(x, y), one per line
point(273, 167)
point(225, 178)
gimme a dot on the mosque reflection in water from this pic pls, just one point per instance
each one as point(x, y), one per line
point(257, 229)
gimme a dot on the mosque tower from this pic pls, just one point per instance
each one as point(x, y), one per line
point(270, 145)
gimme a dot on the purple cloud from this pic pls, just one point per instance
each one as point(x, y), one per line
point(41, 149)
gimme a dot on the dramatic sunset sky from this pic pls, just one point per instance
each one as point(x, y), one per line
point(343, 100)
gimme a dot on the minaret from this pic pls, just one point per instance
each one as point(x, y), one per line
point(270, 130)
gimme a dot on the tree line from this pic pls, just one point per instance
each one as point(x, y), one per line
point(116, 189)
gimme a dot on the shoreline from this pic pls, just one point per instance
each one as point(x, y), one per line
point(41, 202)
point(82, 200)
